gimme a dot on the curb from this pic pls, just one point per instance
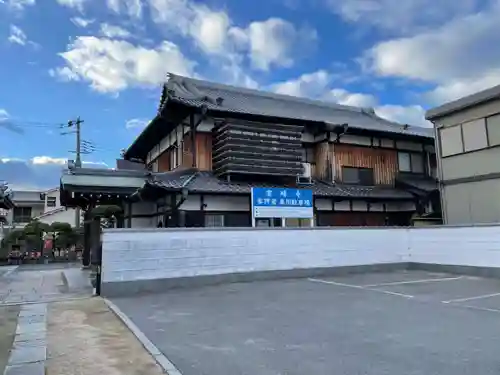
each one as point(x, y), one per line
point(167, 366)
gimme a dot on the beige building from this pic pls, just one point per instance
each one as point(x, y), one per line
point(468, 151)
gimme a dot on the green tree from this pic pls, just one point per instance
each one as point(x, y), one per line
point(33, 234)
point(65, 235)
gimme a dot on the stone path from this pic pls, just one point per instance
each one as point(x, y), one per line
point(29, 350)
point(31, 288)
point(43, 283)
point(51, 325)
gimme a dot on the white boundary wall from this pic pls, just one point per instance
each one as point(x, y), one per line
point(477, 246)
point(149, 254)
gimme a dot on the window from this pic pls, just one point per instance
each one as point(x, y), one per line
point(214, 220)
point(359, 176)
point(474, 133)
point(493, 126)
point(451, 140)
point(411, 162)
point(22, 214)
point(404, 161)
point(51, 201)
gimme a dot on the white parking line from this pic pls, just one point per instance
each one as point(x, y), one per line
point(480, 308)
point(472, 298)
point(415, 281)
point(360, 287)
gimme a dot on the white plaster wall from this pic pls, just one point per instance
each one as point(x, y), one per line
point(140, 208)
point(460, 246)
point(167, 253)
point(66, 216)
point(227, 203)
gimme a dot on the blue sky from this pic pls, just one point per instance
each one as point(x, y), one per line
point(105, 60)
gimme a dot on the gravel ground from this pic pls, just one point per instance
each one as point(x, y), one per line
point(8, 324)
point(85, 337)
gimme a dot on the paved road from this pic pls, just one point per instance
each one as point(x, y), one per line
point(412, 322)
point(42, 283)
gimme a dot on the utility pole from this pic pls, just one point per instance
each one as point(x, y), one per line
point(78, 162)
point(77, 124)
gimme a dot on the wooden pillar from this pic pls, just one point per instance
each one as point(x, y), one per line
point(95, 237)
point(193, 139)
point(86, 238)
point(129, 215)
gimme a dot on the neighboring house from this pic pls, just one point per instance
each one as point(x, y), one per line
point(468, 140)
point(43, 205)
point(210, 143)
point(28, 204)
point(54, 212)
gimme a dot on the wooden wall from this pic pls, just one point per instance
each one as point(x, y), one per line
point(203, 154)
point(187, 152)
point(323, 156)
point(164, 161)
point(384, 162)
point(204, 151)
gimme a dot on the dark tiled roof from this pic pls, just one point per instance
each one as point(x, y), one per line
point(176, 179)
point(206, 182)
point(195, 93)
point(420, 183)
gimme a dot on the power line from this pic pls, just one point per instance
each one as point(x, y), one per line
point(19, 126)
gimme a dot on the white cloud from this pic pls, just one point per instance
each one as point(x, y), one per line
point(345, 97)
point(266, 43)
point(131, 7)
point(48, 160)
point(460, 57)
point(318, 85)
point(310, 85)
point(412, 115)
point(136, 123)
point(19, 4)
point(457, 88)
point(74, 4)
point(272, 42)
point(112, 65)
point(65, 74)
point(403, 16)
point(17, 36)
point(112, 31)
point(39, 172)
point(3, 114)
point(81, 22)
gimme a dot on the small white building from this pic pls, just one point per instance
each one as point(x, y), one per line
point(41, 204)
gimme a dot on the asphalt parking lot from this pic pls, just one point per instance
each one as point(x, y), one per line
point(405, 322)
